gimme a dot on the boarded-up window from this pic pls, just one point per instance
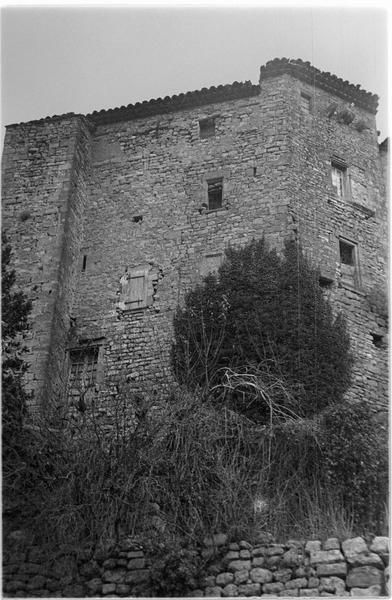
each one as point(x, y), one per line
point(134, 288)
point(134, 291)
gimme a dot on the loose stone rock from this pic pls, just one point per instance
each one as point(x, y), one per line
point(122, 589)
point(249, 589)
point(224, 579)
point(282, 575)
point(108, 588)
point(313, 582)
point(213, 591)
point(301, 582)
point(312, 546)
point(117, 576)
point(331, 544)
point(245, 545)
point(137, 576)
point(289, 593)
point(370, 592)
point(325, 556)
point(273, 588)
point(260, 575)
point(241, 576)
point(95, 585)
point(332, 584)
point(260, 551)
point(109, 563)
point(354, 546)
point(339, 569)
point(258, 561)
point(380, 544)
point(308, 593)
point(239, 565)
point(231, 555)
point(234, 546)
point(292, 558)
point(136, 563)
point(364, 577)
point(274, 550)
point(135, 554)
point(230, 590)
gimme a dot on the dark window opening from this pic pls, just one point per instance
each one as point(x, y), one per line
point(377, 340)
point(254, 171)
point(84, 263)
point(137, 218)
point(339, 176)
point(207, 128)
point(83, 369)
point(215, 193)
point(347, 253)
point(325, 283)
point(305, 102)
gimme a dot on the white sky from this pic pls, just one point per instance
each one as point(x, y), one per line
point(57, 60)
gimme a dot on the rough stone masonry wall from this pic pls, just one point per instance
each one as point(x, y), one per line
point(321, 218)
point(42, 181)
point(156, 169)
point(80, 221)
point(353, 567)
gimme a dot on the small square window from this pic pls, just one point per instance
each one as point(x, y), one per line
point(207, 128)
point(215, 193)
point(325, 282)
point(377, 340)
point(347, 253)
point(305, 102)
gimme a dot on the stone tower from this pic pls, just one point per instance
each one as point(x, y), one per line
point(114, 215)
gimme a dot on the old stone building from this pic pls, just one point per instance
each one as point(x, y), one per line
point(114, 215)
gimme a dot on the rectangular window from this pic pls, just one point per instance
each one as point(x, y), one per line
point(83, 369)
point(305, 102)
point(347, 253)
point(339, 177)
point(349, 270)
point(207, 128)
point(215, 193)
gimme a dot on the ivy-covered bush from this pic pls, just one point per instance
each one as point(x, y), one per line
point(16, 309)
point(355, 461)
point(264, 312)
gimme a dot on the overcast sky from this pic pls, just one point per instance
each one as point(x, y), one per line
point(57, 60)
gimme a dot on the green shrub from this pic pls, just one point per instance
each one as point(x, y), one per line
point(267, 313)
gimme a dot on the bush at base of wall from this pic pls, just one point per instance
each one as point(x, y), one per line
point(353, 567)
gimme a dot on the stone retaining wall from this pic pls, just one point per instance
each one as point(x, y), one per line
point(354, 567)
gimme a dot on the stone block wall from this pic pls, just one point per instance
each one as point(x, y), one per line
point(353, 567)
